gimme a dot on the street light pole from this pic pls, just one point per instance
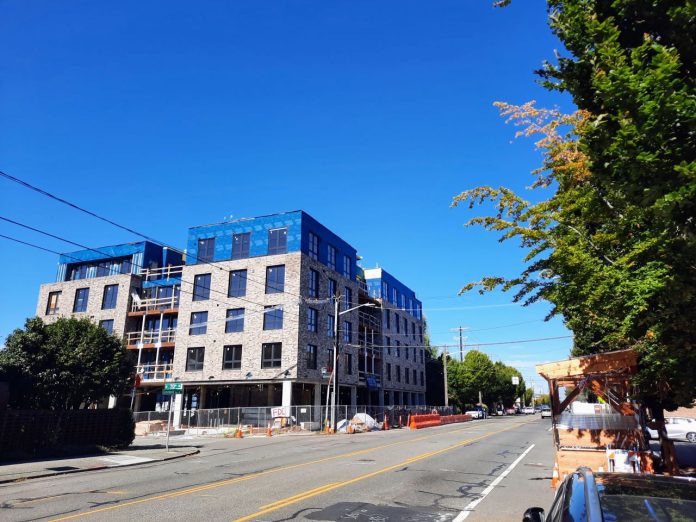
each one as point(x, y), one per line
point(444, 365)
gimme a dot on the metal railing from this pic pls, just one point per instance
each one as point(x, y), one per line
point(151, 336)
point(155, 372)
point(307, 418)
point(154, 303)
point(362, 377)
point(167, 272)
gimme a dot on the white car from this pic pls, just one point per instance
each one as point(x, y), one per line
point(528, 410)
point(545, 412)
point(475, 414)
point(678, 428)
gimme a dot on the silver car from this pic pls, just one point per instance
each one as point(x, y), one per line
point(678, 428)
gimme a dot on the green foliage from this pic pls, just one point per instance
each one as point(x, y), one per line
point(68, 364)
point(614, 244)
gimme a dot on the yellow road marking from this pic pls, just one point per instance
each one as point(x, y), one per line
point(335, 485)
point(251, 476)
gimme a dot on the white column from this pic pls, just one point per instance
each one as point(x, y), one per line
point(178, 403)
point(287, 394)
point(112, 401)
point(317, 415)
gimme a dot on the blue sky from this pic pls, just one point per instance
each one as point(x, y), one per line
point(370, 116)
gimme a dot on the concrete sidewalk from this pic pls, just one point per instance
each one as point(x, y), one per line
point(136, 454)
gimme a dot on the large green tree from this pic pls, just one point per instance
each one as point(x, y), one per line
point(614, 244)
point(68, 364)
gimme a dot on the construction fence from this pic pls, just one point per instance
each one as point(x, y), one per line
point(284, 419)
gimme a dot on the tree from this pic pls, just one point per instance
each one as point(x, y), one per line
point(68, 364)
point(466, 378)
point(613, 247)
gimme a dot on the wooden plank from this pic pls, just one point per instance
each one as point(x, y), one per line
point(601, 363)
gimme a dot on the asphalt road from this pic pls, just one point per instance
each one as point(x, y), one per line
point(478, 471)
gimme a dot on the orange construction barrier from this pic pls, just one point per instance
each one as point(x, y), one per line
point(385, 425)
point(424, 421)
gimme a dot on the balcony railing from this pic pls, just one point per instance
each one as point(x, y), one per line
point(167, 272)
point(151, 336)
point(363, 376)
point(154, 303)
point(155, 372)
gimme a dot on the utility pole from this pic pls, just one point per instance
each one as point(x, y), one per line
point(337, 301)
point(461, 340)
point(444, 366)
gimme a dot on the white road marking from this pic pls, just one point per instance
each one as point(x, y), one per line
point(124, 460)
point(468, 509)
point(550, 428)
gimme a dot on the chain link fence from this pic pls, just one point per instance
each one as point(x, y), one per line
point(299, 418)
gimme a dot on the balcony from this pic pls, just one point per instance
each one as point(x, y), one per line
point(140, 306)
point(167, 272)
point(376, 379)
point(154, 373)
point(150, 338)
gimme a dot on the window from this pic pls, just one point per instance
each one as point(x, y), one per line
point(312, 320)
point(235, 320)
point(238, 283)
point(415, 381)
point(275, 279)
point(347, 331)
point(206, 249)
point(273, 318)
point(109, 297)
point(388, 342)
point(347, 298)
point(240, 245)
point(277, 241)
point(397, 351)
point(413, 330)
point(53, 306)
point(331, 257)
point(331, 288)
point(313, 283)
point(108, 325)
point(407, 376)
point(385, 290)
point(271, 355)
point(398, 373)
point(422, 356)
point(194, 359)
point(388, 371)
point(330, 326)
point(387, 316)
point(420, 334)
point(346, 266)
point(406, 350)
point(201, 287)
point(395, 295)
point(81, 298)
point(232, 357)
point(313, 246)
point(422, 379)
point(199, 323)
point(349, 364)
point(397, 323)
point(311, 357)
point(405, 326)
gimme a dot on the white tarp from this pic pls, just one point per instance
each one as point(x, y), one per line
point(366, 420)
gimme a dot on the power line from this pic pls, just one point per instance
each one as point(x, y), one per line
point(29, 244)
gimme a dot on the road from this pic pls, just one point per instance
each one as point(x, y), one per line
point(439, 473)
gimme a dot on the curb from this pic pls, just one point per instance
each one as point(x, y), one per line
point(96, 468)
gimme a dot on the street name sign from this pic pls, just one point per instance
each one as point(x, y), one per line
point(172, 388)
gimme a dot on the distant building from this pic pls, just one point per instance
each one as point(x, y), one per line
point(248, 318)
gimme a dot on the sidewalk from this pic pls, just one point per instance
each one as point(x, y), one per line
point(136, 454)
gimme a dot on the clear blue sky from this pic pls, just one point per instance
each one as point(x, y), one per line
point(371, 116)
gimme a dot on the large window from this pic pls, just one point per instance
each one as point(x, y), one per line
point(397, 349)
point(388, 372)
point(312, 315)
point(407, 375)
point(397, 323)
point(206, 250)
point(387, 317)
point(201, 287)
point(81, 298)
point(398, 373)
point(313, 246)
point(331, 288)
point(273, 318)
point(422, 378)
point(232, 357)
point(53, 305)
point(240, 245)
point(385, 290)
point(199, 323)
point(347, 298)
point(313, 283)
point(194, 359)
point(347, 261)
point(331, 257)
point(330, 326)
point(275, 279)
point(271, 354)
point(388, 343)
point(414, 377)
point(235, 320)
point(108, 325)
point(347, 331)
point(110, 296)
point(311, 357)
point(349, 364)
point(238, 283)
point(406, 354)
point(277, 241)
point(395, 296)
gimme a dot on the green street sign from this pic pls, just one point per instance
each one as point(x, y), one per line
point(173, 387)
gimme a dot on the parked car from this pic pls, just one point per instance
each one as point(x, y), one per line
point(528, 410)
point(475, 414)
point(545, 412)
point(584, 495)
point(678, 428)
point(510, 411)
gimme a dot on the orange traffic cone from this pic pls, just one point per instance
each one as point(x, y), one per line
point(349, 429)
point(238, 434)
point(269, 431)
point(555, 477)
point(385, 425)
